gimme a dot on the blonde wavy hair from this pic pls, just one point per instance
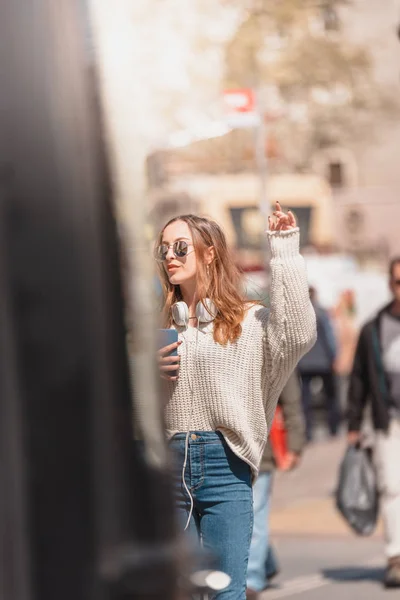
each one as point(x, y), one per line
point(220, 280)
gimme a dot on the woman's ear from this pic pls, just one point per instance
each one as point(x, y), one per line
point(209, 255)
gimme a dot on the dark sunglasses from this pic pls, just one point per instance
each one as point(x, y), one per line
point(179, 248)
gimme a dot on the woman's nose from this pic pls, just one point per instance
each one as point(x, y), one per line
point(170, 254)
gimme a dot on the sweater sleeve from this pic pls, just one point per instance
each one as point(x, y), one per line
point(291, 326)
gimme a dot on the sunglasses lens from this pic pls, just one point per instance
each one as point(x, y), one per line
point(161, 252)
point(180, 249)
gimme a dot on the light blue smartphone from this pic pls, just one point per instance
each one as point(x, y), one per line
point(165, 338)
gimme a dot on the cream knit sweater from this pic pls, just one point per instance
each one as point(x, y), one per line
point(235, 388)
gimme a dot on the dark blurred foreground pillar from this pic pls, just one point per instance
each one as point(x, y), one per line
point(82, 514)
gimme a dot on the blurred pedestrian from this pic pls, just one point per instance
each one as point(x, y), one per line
point(262, 562)
point(346, 334)
point(375, 379)
point(319, 362)
point(234, 359)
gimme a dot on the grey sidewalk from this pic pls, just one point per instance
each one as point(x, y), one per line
point(302, 500)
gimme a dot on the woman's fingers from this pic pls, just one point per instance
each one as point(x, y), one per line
point(281, 217)
point(292, 219)
point(168, 368)
point(167, 349)
point(166, 360)
point(282, 221)
point(169, 378)
point(172, 366)
point(168, 363)
point(169, 372)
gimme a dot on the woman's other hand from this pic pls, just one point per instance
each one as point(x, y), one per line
point(167, 364)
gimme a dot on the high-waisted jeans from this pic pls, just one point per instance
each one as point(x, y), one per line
point(220, 483)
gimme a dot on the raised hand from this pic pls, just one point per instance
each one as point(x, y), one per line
point(282, 222)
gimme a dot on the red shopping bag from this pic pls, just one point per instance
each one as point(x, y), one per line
point(277, 438)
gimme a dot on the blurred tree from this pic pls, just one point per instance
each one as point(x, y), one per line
point(178, 62)
point(314, 84)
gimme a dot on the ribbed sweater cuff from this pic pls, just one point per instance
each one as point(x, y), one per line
point(284, 244)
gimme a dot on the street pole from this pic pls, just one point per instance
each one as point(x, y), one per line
point(261, 157)
point(260, 138)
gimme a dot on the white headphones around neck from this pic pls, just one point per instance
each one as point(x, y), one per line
point(206, 311)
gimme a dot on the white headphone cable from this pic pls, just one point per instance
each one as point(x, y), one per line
point(188, 432)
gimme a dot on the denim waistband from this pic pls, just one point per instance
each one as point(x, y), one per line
point(200, 437)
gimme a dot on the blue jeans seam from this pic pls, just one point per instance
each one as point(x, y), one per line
point(250, 535)
point(196, 487)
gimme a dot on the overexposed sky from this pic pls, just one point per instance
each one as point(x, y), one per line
point(179, 46)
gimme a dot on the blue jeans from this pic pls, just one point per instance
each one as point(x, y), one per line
point(257, 575)
point(220, 483)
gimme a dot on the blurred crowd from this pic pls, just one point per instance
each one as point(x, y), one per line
point(345, 372)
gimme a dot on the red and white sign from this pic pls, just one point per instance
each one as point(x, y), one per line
point(240, 100)
point(240, 107)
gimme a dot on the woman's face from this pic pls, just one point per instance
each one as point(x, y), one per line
point(180, 271)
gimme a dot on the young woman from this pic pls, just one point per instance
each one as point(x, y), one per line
point(234, 358)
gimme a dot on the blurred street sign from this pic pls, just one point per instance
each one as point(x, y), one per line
point(240, 108)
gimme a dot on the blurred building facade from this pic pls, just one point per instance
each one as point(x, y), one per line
point(219, 178)
point(232, 199)
point(346, 197)
point(365, 177)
